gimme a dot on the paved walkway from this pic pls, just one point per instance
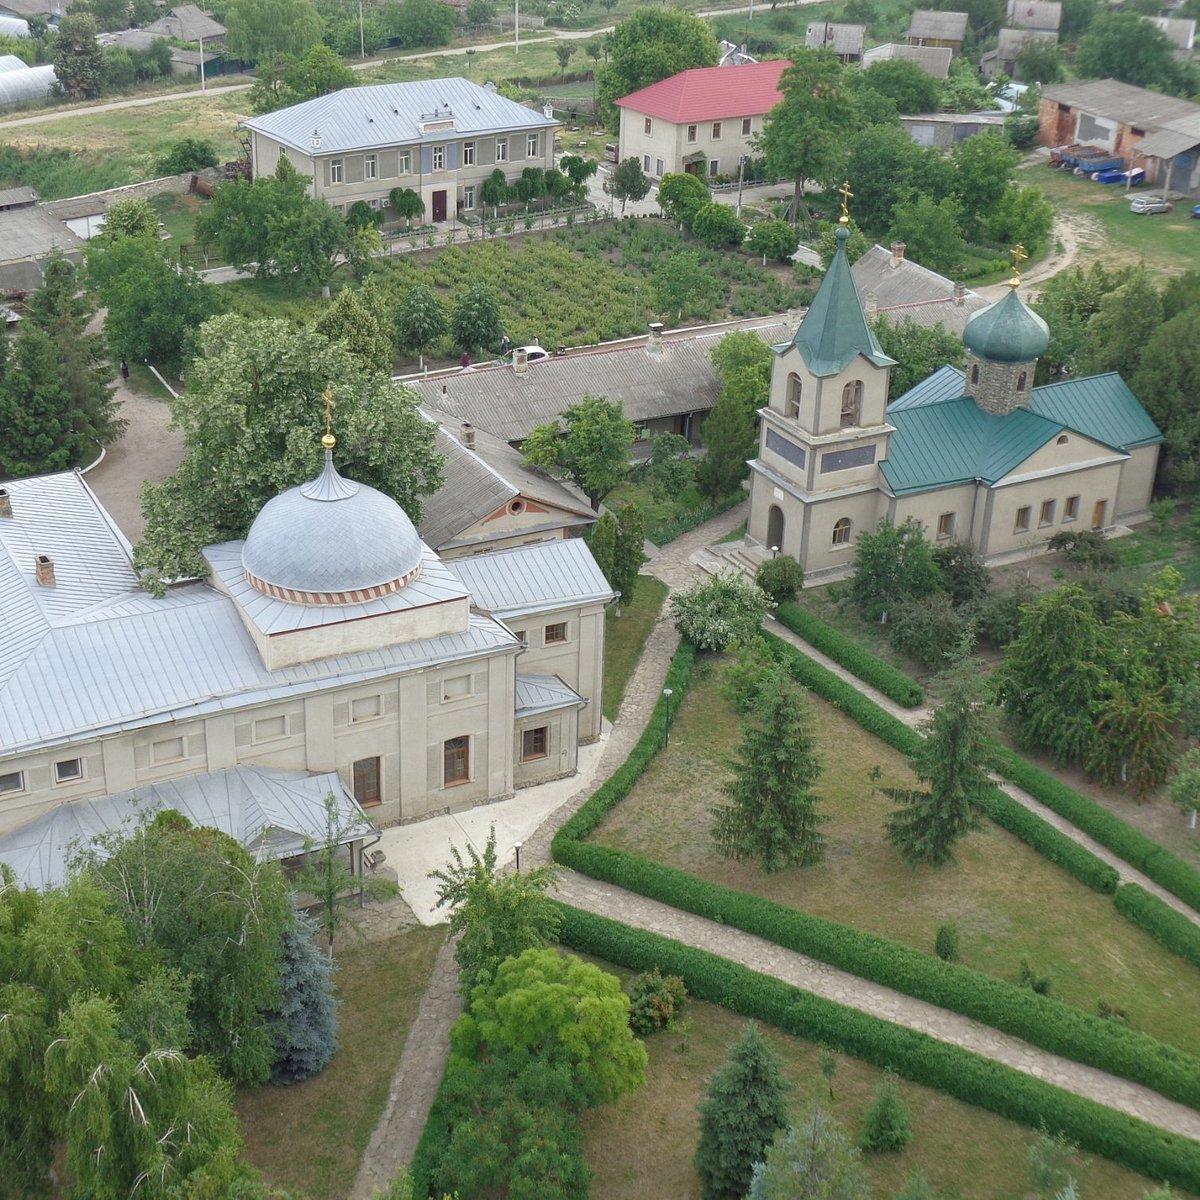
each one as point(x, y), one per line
point(426, 1049)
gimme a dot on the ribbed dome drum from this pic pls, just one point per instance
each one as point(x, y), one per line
point(331, 541)
point(1007, 332)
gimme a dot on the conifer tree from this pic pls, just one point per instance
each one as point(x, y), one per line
point(602, 541)
point(886, 1123)
point(773, 815)
point(305, 1024)
point(742, 1110)
point(814, 1160)
point(729, 435)
point(951, 760)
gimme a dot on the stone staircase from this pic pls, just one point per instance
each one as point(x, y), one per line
point(741, 557)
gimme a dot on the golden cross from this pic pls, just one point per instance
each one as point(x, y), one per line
point(328, 409)
point(847, 195)
point(1018, 256)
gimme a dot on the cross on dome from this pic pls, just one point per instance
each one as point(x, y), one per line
point(847, 195)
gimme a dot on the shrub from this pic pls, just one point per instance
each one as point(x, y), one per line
point(886, 1125)
point(945, 944)
point(1086, 547)
point(716, 225)
point(655, 1001)
point(780, 577)
point(1041, 984)
point(913, 1055)
point(724, 612)
point(187, 154)
point(964, 576)
point(930, 631)
point(894, 684)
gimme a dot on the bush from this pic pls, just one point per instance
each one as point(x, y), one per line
point(963, 574)
point(930, 631)
point(655, 1001)
point(1166, 926)
point(886, 1125)
point(1086, 547)
point(846, 652)
point(945, 944)
point(188, 154)
point(780, 577)
point(916, 1056)
point(726, 611)
point(716, 226)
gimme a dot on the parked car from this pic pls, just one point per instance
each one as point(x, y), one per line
point(1134, 178)
point(1149, 205)
point(532, 353)
point(1196, 212)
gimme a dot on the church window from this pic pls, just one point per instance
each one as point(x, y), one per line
point(365, 708)
point(975, 373)
point(852, 402)
point(456, 761)
point(1021, 525)
point(841, 531)
point(268, 729)
point(946, 525)
point(555, 635)
point(168, 750)
point(366, 782)
point(1021, 382)
point(67, 770)
point(456, 687)
point(794, 388)
point(1046, 515)
point(12, 781)
point(1061, 440)
point(535, 743)
point(1071, 508)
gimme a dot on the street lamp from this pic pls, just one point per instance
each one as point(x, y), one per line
point(774, 551)
point(741, 173)
point(517, 847)
point(667, 693)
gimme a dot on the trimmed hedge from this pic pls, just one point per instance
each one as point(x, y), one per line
point(1060, 849)
point(893, 683)
point(1110, 831)
point(1134, 1144)
point(1166, 926)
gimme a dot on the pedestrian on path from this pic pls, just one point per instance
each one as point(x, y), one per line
point(124, 371)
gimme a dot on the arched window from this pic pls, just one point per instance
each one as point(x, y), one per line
point(1021, 382)
point(975, 373)
point(792, 400)
point(852, 402)
point(1062, 440)
point(841, 531)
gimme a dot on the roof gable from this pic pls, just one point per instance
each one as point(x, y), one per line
point(711, 93)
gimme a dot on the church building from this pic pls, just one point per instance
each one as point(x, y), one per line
point(979, 456)
point(330, 652)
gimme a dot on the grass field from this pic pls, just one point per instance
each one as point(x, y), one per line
point(642, 1146)
point(1008, 902)
point(625, 635)
point(311, 1136)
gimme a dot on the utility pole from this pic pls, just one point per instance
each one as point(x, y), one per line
point(203, 86)
point(362, 44)
point(516, 26)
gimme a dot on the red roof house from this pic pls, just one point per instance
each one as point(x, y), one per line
point(703, 120)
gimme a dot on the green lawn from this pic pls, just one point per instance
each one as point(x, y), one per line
point(625, 633)
point(1009, 903)
point(311, 1136)
point(642, 1146)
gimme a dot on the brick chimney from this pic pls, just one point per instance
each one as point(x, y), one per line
point(898, 249)
point(5, 503)
point(520, 362)
point(871, 307)
point(43, 566)
point(468, 435)
point(654, 340)
point(960, 294)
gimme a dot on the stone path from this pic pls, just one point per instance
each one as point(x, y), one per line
point(425, 1052)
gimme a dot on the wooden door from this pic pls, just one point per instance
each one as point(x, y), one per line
point(439, 206)
point(1099, 513)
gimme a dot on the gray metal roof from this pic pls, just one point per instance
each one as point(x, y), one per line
point(272, 813)
point(544, 693)
point(31, 232)
point(1035, 14)
point(933, 60)
point(1167, 143)
point(476, 483)
point(841, 39)
point(187, 23)
point(391, 114)
point(1010, 42)
point(532, 579)
point(676, 378)
point(1121, 102)
point(933, 23)
point(911, 292)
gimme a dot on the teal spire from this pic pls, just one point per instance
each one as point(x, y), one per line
point(835, 331)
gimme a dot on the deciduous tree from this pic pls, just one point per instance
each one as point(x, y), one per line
point(629, 553)
point(681, 195)
point(475, 319)
point(627, 181)
point(892, 564)
point(406, 203)
point(919, 350)
point(722, 613)
point(906, 85)
point(744, 1107)
point(772, 815)
point(78, 59)
point(651, 45)
point(886, 166)
point(421, 322)
point(128, 218)
point(932, 231)
point(1167, 378)
point(357, 320)
point(263, 30)
point(717, 226)
point(772, 239)
point(1124, 46)
point(593, 450)
point(679, 283)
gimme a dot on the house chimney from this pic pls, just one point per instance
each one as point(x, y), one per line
point(897, 253)
point(960, 294)
point(5, 503)
point(468, 435)
point(654, 340)
point(43, 566)
point(872, 305)
point(445, 389)
point(520, 362)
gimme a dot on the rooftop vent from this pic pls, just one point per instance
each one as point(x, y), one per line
point(5, 503)
point(43, 566)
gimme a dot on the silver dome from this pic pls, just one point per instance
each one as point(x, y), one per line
point(330, 540)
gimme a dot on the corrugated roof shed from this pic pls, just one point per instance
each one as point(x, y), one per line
point(711, 93)
point(1035, 14)
point(187, 22)
point(1010, 42)
point(676, 378)
point(1121, 102)
point(841, 39)
point(933, 60)
point(392, 114)
point(31, 232)
point(908, 291)
point(17, 197)
point(933, 23)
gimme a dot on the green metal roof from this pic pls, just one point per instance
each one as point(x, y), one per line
point(942, 437)
point(835, 330)
point(1007, 331)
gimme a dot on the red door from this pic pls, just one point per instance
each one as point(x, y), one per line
point(439, 206)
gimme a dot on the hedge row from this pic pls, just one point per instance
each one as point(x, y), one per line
point(663, 532)
point(1051, 843)
point(1045, 1022)
point(1140, 1147)
point(1166, 926)
point(893, 683)
point(1096, 821)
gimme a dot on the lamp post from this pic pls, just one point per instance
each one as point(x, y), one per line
point(774, 551)
point(517, 847)
point(203, 85)
point(667, 693)
point(315, 145)
point(741, 173)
